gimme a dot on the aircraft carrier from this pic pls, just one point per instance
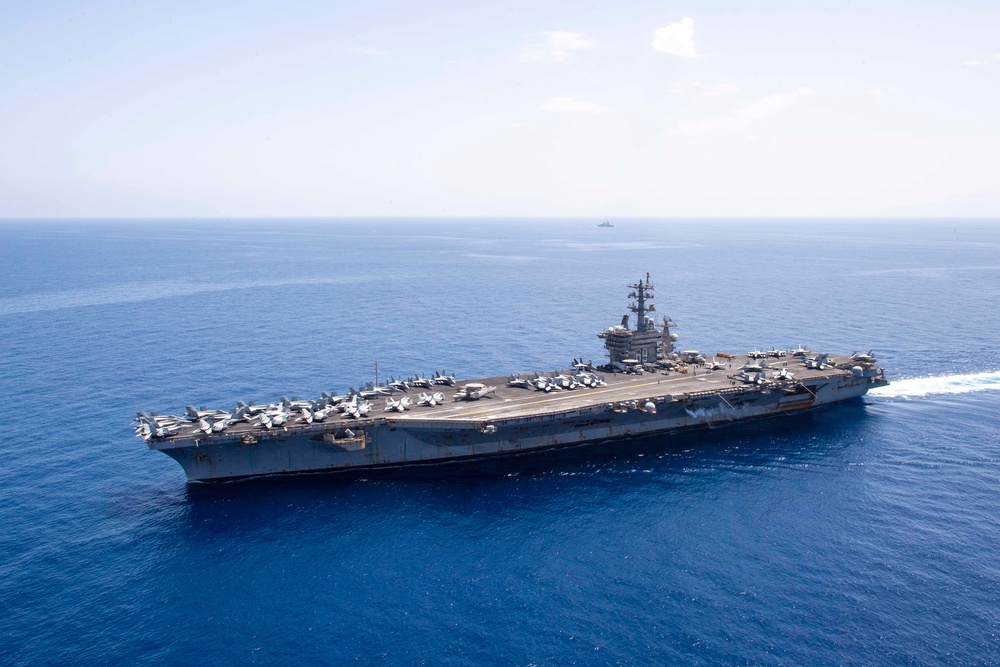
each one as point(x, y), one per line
point(646, 387)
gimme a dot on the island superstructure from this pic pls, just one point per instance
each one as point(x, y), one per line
point(646, 388)
point(646, 343)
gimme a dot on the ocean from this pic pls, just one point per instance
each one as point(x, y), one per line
point(865, 533)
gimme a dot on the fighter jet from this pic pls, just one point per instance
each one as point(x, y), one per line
point(565, 381)
point(753, 367)
point(381, 390)
point(155, 426)
point(399, 385)
point(782, 374)
point(352, 400)
point(272, 418)
point(295, 404)
point(800, 351)
point(357, 409)
point(195, 415)
point(752, 378)
point(544, 383)
point(866, 358)
point(252, 410)
point(149, 431)
point(756, 354)
point(369, 392)
point(580, 366)
point(819, 363)
point(423, 383)
point(441, 378)
point(518, 381)
point(430, 400)
point(588, 379)
point(351, 403)
point(333, 400)
point(776, 353)
point(321, 414)
point(241, 413)
point(400, 405)
point(714, 365)
point(142, 416)
point(206, 425)
point(216, 421)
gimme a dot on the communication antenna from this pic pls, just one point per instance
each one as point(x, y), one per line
point(641, 291)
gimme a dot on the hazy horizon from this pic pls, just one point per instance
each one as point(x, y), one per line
point(617, 221)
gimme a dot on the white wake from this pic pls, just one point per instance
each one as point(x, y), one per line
point(943, 384)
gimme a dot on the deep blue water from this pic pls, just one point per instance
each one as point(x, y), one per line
point(862, 534)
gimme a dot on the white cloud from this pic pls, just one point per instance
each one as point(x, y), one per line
point(710, 90)
point(676, 38)
point(568, 41)
point(877, 93)
point(978, 62)
point(569, 104)
point(765, 107)
point(556, 47)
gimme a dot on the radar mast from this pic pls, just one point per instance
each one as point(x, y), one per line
point(640, 292)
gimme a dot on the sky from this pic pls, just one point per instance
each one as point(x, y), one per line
point(520, 108)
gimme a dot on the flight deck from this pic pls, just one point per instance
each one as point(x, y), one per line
point(511, 402)
point(621, 390)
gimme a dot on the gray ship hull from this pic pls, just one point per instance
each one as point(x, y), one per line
point(512, 422)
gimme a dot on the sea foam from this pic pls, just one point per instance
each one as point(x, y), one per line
point(941, 384)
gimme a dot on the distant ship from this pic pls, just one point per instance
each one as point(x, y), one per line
point(606, 223)
point(649, 388)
